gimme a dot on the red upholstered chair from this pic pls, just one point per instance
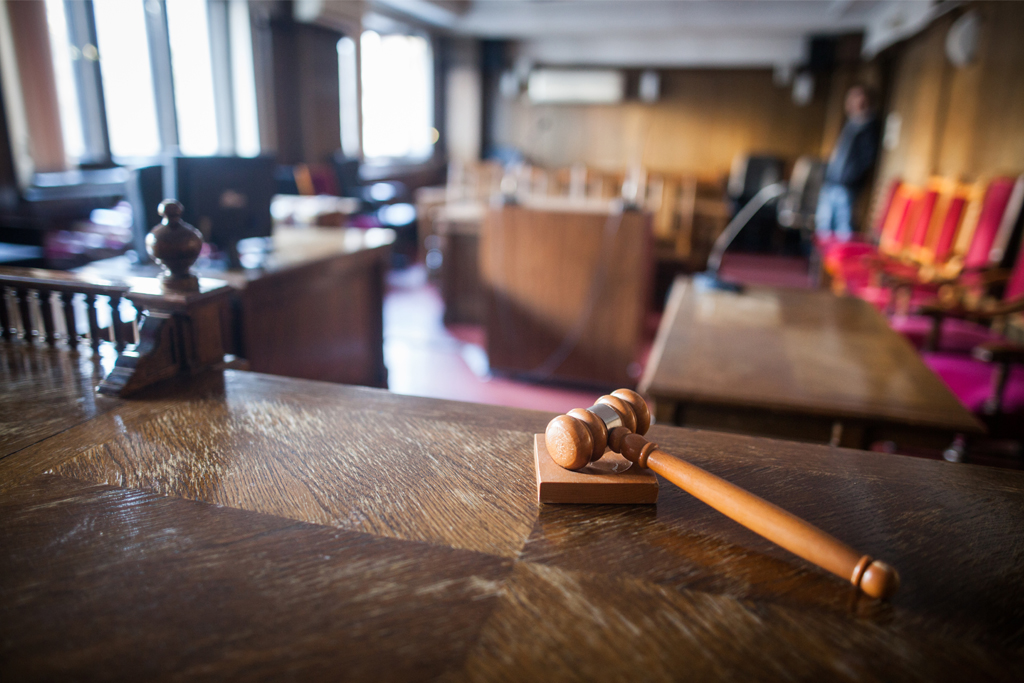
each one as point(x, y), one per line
point(855, 270)
point(832, 251)
point(958, 325)
point(845, 262)
point(935, 228)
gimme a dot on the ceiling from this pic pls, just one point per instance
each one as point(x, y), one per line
point(659, 32)
point(527, 19)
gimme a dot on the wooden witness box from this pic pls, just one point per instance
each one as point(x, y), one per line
point(566, 290)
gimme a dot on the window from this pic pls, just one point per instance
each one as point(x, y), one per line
point(398, 102)
point(349, 91)
point(67, 94)
point(243, 80)
point(127, 78)
point(105, 55)
point(192, 69)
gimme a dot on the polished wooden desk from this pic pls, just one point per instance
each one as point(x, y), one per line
point(248, 526)
point(568, 285)
point(311, 307)
point(44, 391)
point(795, 364)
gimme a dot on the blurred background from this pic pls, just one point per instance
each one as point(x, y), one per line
point(398, 131)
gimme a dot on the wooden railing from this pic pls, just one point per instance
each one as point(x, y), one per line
point(169, 332)
point(40, 305)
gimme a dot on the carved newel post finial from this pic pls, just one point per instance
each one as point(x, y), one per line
point(175, 245)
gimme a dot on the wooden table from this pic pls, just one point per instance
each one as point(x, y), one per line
point(248, 526)
point(795, 364)
point(457, 226)
point(312, 307)
point(568, 284)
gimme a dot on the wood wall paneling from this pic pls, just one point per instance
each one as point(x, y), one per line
point(999, 133)
point(306, 91)
point(919, 76)
point(704, 119)
point(960, 121)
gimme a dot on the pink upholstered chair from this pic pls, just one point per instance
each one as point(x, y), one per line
point(958, 328)
point(989, 381)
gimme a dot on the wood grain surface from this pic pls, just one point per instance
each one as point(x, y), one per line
point(45, 391)
point(773, 352)
point(249, 526)
point(143, 587)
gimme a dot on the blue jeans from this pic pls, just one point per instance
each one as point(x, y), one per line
point(835, 203)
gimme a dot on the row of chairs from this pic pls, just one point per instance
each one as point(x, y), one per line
point(927, 237)
point(949, 270)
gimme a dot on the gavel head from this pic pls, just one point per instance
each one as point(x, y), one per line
point(580, 437)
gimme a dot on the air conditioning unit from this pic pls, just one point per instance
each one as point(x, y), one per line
point(576, 86)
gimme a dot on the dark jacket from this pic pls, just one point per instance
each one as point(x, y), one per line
point(855, 154)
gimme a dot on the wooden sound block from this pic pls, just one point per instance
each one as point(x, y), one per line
point(610, 480)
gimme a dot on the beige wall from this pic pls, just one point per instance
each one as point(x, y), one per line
point(704, 118)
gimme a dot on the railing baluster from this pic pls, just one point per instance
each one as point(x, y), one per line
point(5, 318)
point(25, 310)
point(94, 324)
point(136, 322)
point(46, 311)
point(67, 301)
point(115, 321)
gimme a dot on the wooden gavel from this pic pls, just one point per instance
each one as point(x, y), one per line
point(618, 421)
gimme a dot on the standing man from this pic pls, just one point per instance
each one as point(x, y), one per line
point(848, 167)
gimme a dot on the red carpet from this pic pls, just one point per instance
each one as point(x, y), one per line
point(424, 358)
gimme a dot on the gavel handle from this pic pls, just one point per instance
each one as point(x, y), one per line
point(801, 538)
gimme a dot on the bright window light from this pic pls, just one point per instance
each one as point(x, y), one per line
point(348, 75)
point(189, 34)
point(127, 78)
point(67, 93)
point(398, 103)
point(243, 80)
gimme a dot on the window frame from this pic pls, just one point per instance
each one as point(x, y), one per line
point(82, 35)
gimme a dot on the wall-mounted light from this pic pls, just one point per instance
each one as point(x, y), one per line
point(803, 88)
point(509, 85)
point(649, 88)
point(782, 75)
point(962, 39)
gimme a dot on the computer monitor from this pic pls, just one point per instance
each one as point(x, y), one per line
point(227, 198)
